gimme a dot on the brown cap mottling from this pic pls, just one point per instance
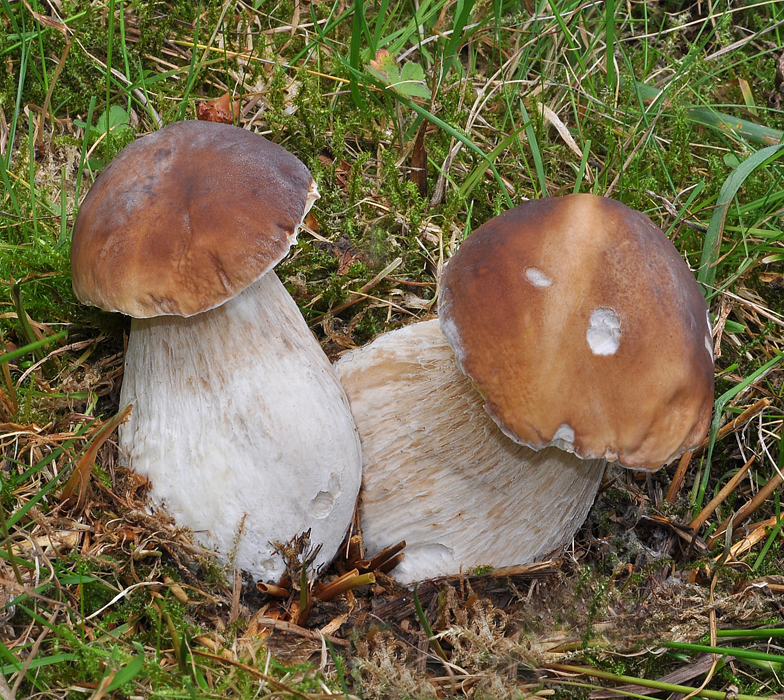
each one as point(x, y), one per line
point(185, 218)
point(517, 303)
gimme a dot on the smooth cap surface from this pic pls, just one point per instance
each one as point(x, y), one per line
point(582, 327)
point(186, 218)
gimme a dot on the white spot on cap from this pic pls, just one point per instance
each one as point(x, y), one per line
point(604, 333)
point(536, 277)
point(708, 345)
point(564, 434)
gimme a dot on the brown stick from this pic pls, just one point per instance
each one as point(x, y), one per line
point(291, 628)
point(735, 423)
point(363, 290)
point(346, 582)
point(720, 497)
point(391, 563)
point(748, 508)
point(677, 479)
point(81, 473)
point(270, 589)
point(381, 557)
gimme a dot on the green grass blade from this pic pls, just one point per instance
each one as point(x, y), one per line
point(32, 347)
point(609, 39)
point(457, 37)
point(692, 196)
point(670, 687)
point(578, 181)
point(127, 673)
point(431, 638)
point(706, 273)
point(379, 28)
point(727, 651)
point(39, 663)
point(339, 666)
point(717, 411)
point(109, 47)
point(85, 149)
point(759, 633)
point(353, 56)
point(530, 134)
point(774, 533)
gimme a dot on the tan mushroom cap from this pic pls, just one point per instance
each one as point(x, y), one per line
point(582, 327)
point(186, 218)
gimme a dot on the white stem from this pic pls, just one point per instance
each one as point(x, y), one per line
point(238, 417)
point(439, 473)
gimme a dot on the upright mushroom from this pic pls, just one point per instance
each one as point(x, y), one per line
point(583, 335)
point(238, 420)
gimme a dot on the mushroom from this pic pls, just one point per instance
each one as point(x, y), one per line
point(584, 337)
point(239, 422)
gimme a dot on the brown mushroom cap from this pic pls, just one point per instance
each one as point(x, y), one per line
point(582, 327)
point(186, 218)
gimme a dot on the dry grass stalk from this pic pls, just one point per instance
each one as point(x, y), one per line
point(721, 496)
point(748, 508)
point(382, 558)
point(757, 533)
point(735, 423)
point(291, 628)
point(274, 591)
point(677, 479)
point(683, 464)
point(346, 582)
point(81, 474)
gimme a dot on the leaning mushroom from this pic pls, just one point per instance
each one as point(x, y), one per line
point(584, 337)
point(238, 422)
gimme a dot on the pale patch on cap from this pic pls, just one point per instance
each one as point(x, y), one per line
point(604, 333)
point(564, 438)
point(564, 433)
point(536, 277)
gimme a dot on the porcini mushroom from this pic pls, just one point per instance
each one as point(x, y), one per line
point(583, 335)
point(238, 420)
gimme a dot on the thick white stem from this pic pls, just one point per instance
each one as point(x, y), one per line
point(439, 473)
point(242, 427)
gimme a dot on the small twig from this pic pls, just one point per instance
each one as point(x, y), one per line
point(85, 464)
point(706, 512)
point(236, 590)
point(677, 479)
point(275, 591)
point(713, 640)
point(291, 628)
point(735, 423)
point(748, 508)
point(362, 293)
point(347, 582)
point(382, 557)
